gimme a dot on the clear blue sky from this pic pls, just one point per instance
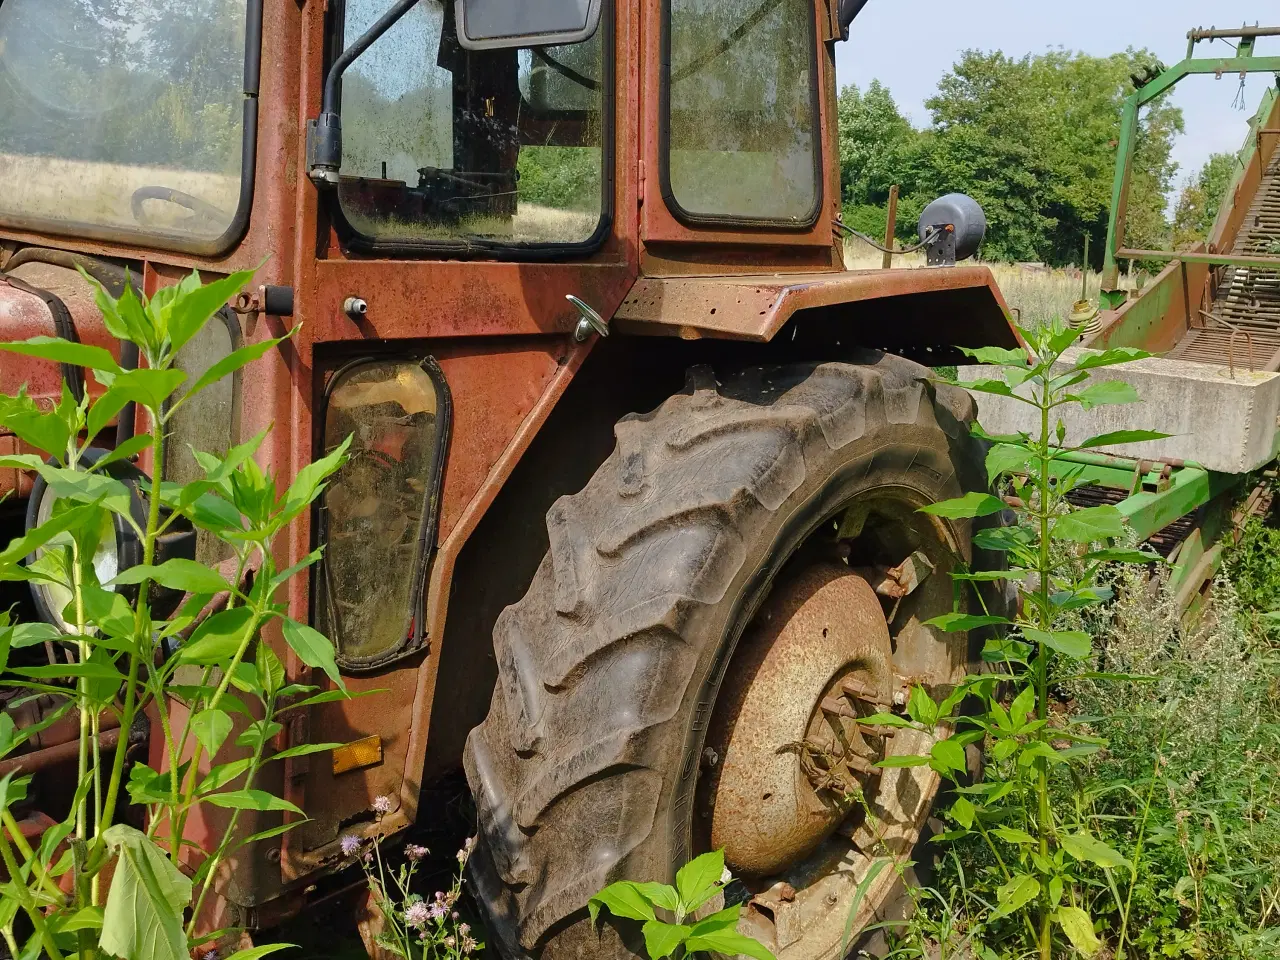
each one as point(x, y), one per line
point(909, 44)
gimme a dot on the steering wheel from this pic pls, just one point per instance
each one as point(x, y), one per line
point(202, 214)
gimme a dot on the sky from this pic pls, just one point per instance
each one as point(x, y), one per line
point(909, 44)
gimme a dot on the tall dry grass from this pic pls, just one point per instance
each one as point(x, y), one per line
point(1037, 294)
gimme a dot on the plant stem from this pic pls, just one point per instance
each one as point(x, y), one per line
point(24, 848)
point(1042, 655)
point(33, 911)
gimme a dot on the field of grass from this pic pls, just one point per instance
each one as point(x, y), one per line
point(1037, 294)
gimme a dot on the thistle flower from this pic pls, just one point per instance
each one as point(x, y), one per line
point(465, 852)
point(450, 942)
point(350, 844)
point(381, 805)
point(415, 853)
point(468, 944)
point(464, 928)
point(417, 914)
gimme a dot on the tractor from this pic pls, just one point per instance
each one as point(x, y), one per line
point(630, 530)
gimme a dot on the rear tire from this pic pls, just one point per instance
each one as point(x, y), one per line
point(585, 770)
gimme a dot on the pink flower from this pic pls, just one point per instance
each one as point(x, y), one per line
point(381, 805)
point(464, 928)
point(467, 847)
point(350, 844)
point(418, 914)
point(415, 853)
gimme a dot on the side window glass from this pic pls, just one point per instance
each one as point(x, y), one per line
point(377, 516)
point(447, 145)
point(741, 111)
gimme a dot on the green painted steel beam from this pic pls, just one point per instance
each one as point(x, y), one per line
point(1111, 296)
point(1217, 259)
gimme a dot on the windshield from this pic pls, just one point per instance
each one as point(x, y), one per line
point(442, 144)
point(123, 114)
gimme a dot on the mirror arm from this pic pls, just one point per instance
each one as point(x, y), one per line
point(324, 134)
point(849, 10)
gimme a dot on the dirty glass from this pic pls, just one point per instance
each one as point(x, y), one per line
point(126, 114)
point(208, 422)
point(442, 144)
point(742, 129)
point(372, 518)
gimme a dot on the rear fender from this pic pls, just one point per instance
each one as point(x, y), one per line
point(924, 314)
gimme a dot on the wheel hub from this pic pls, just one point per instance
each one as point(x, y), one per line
point(788, 759)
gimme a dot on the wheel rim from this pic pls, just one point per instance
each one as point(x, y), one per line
point(787, 780)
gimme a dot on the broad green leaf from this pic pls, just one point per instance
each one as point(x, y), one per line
point(1075, 923)
point(725, 919)
point(1061, 338)
point(1016, 894)
point(222, 774)
point(661, 939)
point(956, 622)
point(149, 388)
point(8, 734)
point(1023, 704)
point(729, 942)
point(1105, 393)
point(273, 832)
point(251, 800)
point(1006, 458)
point(947, 755)
point(968, 506)
point(90, 670)
point(65, 351)
point(622, 899)
point(211, 729)
point(126, 451)
point(997, 355)
point(1110, 357)
point(1070, 643)
point(699, 879)
point(297, 568)
point(218, 638)
point(905, 760)
point(86, 918)
point(962, 812)
point(104, 410)
point(143, 919)
point(330, 696)
point(258, 733)
point(1122, 436)
point(270, 669)
point(1090, 525)
point(1121, 555)
point(123, 318)
point(921, 708)
point(885, 720)
point(234, 361)
point(196, 302)
point(177, 574)
point(305, 749)
point(998, 387)
point(1002, 649)
point(310, 480)
point(256, 953)
point(1013, 835)
point(13, 789)
point(313, 649)
point(1084, 847)
point(1039, 751)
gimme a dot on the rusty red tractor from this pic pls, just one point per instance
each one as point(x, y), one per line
point(630, 528)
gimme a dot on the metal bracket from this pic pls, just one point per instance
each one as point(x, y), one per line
point(589, 321)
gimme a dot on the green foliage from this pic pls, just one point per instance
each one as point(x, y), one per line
point(1201, 199)
point(1044, 857)
point(697, 882)
point(120, 665)
point(1031, 139)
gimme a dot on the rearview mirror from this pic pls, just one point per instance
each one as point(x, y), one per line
point(503, 24)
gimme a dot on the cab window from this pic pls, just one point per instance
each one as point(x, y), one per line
point(741, 111)
point(444, 145)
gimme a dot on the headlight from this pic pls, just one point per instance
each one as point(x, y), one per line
point(116, 546)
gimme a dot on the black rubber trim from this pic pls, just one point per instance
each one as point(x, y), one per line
point(691, 219)
point(65, 327)
point(355, 242)
point(415, 637)
point(181, 243)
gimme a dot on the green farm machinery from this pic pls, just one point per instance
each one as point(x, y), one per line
point(1211, 317)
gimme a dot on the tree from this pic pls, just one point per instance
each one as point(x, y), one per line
point(1032, 139)
point(1201, 199)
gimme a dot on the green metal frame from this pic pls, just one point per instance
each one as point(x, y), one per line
point(1242, 63)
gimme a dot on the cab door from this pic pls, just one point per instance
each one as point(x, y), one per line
point(736, 105)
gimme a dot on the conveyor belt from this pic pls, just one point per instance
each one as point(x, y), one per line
point(1248, 298)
